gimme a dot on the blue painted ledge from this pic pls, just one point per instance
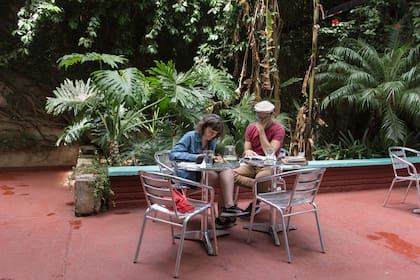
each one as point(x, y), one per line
point(356, 162)
point(130, 170)
point(133, 170)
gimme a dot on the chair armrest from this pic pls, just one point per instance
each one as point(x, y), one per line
point(280, 177)
point(207, 192)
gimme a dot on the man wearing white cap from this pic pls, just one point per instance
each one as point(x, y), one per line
point(259, 136)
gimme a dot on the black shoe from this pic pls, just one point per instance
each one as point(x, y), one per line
point(225, 222)
point(233, 211)
point(249, 209)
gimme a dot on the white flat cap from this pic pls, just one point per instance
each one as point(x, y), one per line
point(264, 106)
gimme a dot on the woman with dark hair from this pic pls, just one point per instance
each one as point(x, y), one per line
point(190, 148)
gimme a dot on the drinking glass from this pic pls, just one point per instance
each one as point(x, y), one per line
point(208, 157)
point(230, 156)
point(270, 156)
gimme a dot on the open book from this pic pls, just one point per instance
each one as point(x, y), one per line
point(294, 160)
point(257, 157)
point(254, 160)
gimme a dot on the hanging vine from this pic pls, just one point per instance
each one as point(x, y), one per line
point(302, 139)
point(262, 50)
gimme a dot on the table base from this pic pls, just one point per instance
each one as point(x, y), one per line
point(273, 230)
point(206, 237)
point(416, 211)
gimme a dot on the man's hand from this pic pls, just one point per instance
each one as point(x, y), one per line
point(262, 124)
point(250, 153)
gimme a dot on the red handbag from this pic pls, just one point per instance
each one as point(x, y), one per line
point(182, 204)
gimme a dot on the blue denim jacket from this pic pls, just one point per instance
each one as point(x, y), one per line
point(187, 149)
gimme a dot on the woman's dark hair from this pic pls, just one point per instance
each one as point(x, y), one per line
point(213, 121)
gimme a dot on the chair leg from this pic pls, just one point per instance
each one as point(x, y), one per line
point(251, 220)
point(406, 192)
point(389, 192)
point(213, 229)
point(180, 248)
point(321, 239)
point(172, 232)
point(288, 218)
point(286, 239)
point(143, 227)
point(418, 191)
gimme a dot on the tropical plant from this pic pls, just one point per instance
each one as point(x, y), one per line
point(114, 105)
point(100, 114)
point(349, 147)
point(103, 108)
point(141, 150)
point(101, 185)
point(384, 85)
point(187, 96)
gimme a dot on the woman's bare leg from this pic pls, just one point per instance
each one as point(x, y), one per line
point(227, 187)
point(223, 180)
point(213, 180)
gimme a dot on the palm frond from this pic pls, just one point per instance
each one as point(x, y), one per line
point(409, 102)
point(350, 56)
point(393, 89)
point(344, 94)
point(362, 78)
point(411, 77)
point(372, 61)
point(369, 99)
point(395, 130)
point(342, 67)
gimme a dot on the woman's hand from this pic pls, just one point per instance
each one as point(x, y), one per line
point(199, 158)
point(218, 158)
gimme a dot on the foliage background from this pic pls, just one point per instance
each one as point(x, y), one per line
point(33, 38)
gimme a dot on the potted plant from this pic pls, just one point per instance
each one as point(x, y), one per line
point(92, 187)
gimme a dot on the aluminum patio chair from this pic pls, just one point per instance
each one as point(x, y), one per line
point(294, 200)
point(404, 171)
point(159, 190)
point(165, 164)
point(283, 153)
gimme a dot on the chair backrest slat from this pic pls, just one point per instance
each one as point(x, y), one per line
point(157, 189)
point(160, 188)
point(165, 164)
point(399, 161)
point(306, 186)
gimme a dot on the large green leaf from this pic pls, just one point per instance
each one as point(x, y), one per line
point(112, 60)
point(71, 96)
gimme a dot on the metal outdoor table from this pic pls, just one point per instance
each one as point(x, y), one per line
point(204, 169)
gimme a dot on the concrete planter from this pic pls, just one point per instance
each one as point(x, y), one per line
point(85, 201)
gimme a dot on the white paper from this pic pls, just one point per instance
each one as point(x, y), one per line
point(255, 157)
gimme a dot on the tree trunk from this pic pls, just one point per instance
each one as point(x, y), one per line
point(264, 30)
point(303, 139)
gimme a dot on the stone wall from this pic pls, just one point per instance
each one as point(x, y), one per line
point(59, 156)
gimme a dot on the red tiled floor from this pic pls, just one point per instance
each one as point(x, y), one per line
point(40, 238)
